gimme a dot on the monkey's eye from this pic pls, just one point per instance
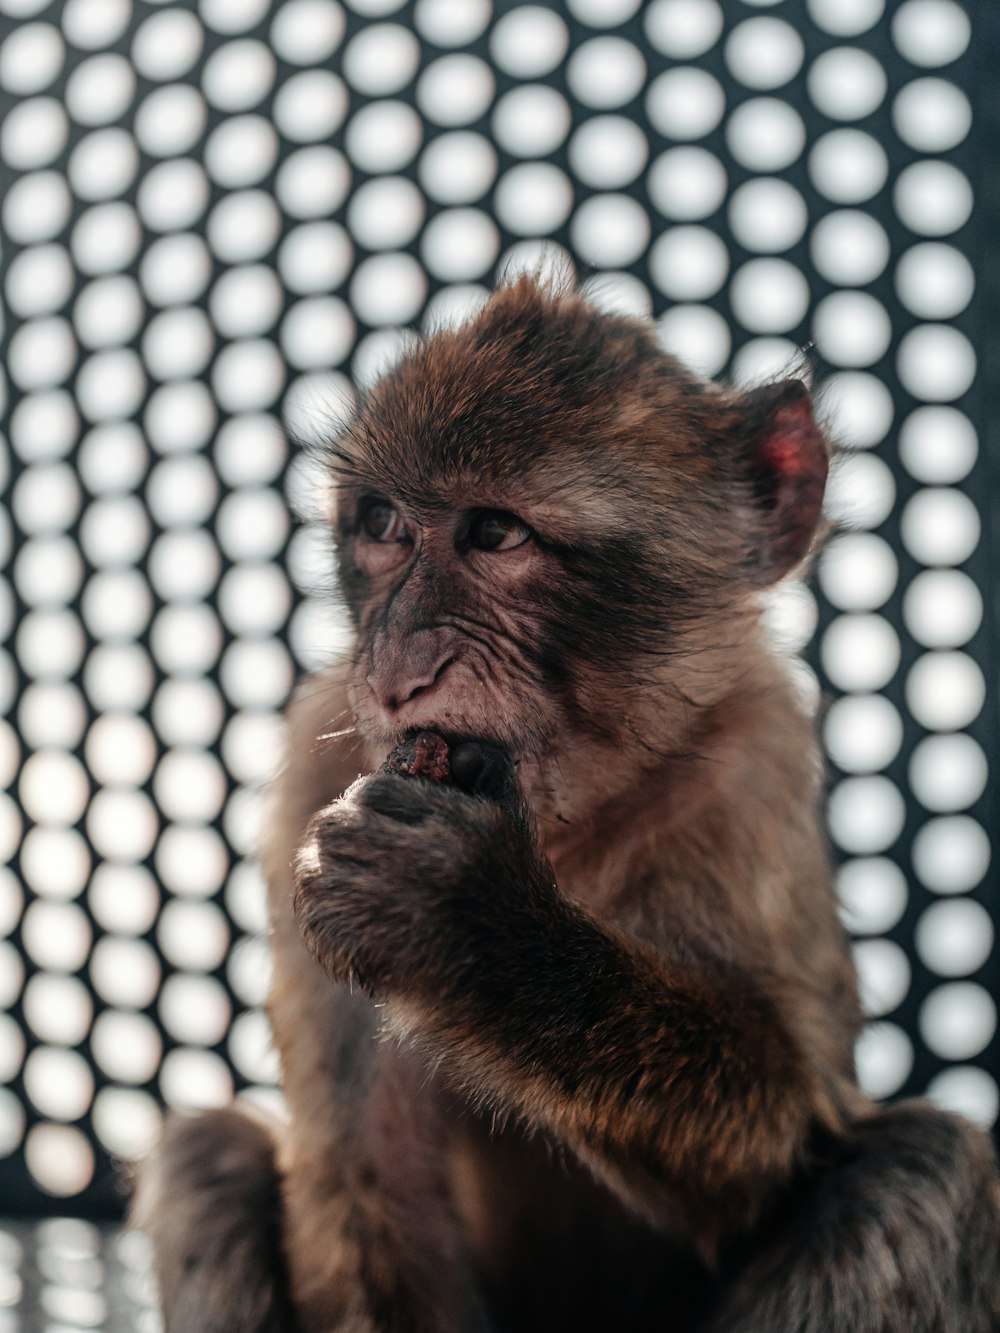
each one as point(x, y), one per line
point(381, 522)
point(494, 530)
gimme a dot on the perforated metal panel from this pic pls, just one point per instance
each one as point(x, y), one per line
point(215, 217)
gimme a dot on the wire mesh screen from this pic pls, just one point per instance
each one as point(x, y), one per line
point(216, 218)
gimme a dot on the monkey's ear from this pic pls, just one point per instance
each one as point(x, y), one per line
point(788, 461)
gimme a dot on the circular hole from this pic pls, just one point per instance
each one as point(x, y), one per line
point(934, 281)
point(872, 894)
point(945, 690)
point(610, 230)
point(689, 263)
point(249, 451)
point(227, 16)
point(938, 444)
point(310, 105)
point(46, 498)
point(178, 344)
point(533, 199)
point(858, 408)
point(958, 1020)
point(849, 248)
point(764, 53)
point(179, 417)
point(108, 312)
point(176, 269)
point(310, 183)
point(193, 935)
point(940, 526)
point(883, 1056)
point(762, 359)
point(866, 814)
point(954, 938)
point(253, 747)
point(11, 1047)
point(30, 58)
point(251, 1049)
point(118, 676)
point(883, 976)
point(388, 289)
point(184, 566)
point(100, 89)
point(44, 425)
point(246, 898)
point(687, 103)
point(931, 115)
point(238, 75)
point(687, 183)
point(860, 493)
point(171, 120)
point(49, 644)
point(59, 1083)
point(60, 1159)
point(932, 198)
point(846, 83)
point(187, 712)
point(166, 45)
point(314, 257)
point(181, 491)
point(194, 1009)
point(254, 599)
point(103, 164)
point(248, 375)
point(36, 207)
point(967, 1091)
point(767, 215)
point(307, 32)
point(195, 1080)
point(58, 1009)
point(862, 733)
point(603, 13)
point(89, 24)
point(126, 1046)
point(385, 213)
point(120, 750)
point(606, 72)
point(858, 572)
point(256, 674)
point(936, 363)
point(848, 166)
point(531, 121)
point(252, 524)
point(116, 604)
point(696, 335)
point(451, 22)
point(244, 226)
point(378, 353)
point(128, 1123)
point(460, 243)
point(765, 134)
point(55, 862)
point(852, 329)
point(931, 32)
point(769, 295)
point(951, 854)
point(124, 972)
point(458, 167)
point(453, 306)
point(41, 353)
point(53, 788)
point(241, 151)
point(173, 195)
point(608, 151)
point(246, 300)
point(56, 935)
point(11, 974)
point(383, 136)
point(192, 861)
point(948, 772)
point(382, 58)
point(942, 608)
point(683, 28)
point(317, 333)
point(39, 280)
point(529, 41)
point(455, 90)
point(845, 18)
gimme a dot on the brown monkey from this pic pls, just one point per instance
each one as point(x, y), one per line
point(566, 1033)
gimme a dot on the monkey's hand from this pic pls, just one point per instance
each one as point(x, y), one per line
point(404, 882)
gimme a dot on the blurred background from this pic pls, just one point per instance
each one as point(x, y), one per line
point(220, 217)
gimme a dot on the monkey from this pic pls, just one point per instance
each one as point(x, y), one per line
point(564, 1010)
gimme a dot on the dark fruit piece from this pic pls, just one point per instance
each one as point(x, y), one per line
point(424, 755)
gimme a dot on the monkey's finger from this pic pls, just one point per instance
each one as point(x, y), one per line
point(483, 769)
point(395, 799)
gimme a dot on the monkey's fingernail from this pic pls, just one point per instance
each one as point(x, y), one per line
point(479, 767)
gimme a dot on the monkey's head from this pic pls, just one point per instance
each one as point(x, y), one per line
point(547, 528)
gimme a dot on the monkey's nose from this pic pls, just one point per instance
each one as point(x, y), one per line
point(396, 684)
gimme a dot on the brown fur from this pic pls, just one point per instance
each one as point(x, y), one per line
point(607, 1078)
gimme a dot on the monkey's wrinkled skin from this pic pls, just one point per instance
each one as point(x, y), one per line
point(564, 1011)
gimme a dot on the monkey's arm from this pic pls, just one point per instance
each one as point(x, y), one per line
point(675, 1084)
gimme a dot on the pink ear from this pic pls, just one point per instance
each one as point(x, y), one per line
point(788, 456)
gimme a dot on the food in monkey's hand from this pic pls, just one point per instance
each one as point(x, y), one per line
point(424, 754)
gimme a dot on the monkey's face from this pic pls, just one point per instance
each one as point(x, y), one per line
point(546, 527)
